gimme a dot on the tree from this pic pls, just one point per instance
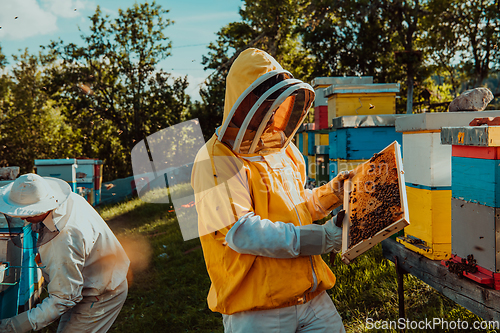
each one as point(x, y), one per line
point(111, 86)
point(463, 40)
point(349, 37)
point(31, 126)
point(267, 24)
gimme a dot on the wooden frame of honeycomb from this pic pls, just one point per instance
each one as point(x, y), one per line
point(375, 202)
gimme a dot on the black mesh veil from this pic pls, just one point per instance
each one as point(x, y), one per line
point(28, 235)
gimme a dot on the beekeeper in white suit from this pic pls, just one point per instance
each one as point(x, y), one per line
point(81, 259)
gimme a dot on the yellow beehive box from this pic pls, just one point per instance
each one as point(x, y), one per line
point(361, 99)
point(311, 161)
point(321, 139)
point(321, 83)
point(430, 231)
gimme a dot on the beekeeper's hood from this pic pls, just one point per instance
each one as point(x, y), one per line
point(264, 104)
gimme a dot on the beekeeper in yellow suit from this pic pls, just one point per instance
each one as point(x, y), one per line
point(81, 260)
point(261, 247)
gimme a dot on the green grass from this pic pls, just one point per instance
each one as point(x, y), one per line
point(170, 283)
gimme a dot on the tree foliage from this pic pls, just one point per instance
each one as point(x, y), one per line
point(111, 86)
point(31, 125)
point(402, 41)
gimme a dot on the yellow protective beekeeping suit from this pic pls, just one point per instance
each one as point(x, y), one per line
point(250, 166)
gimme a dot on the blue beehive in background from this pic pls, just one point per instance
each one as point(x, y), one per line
point(64, 169)
point(83, 175)
point(354, 139)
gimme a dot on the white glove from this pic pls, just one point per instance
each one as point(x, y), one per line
point(318, 239)
point(17, 324)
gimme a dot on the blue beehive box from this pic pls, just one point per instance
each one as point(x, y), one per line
point(10, 255)
point(64, 169)
point(359, 137)
point(9, 302)
point(311, 144)
point(31, 277)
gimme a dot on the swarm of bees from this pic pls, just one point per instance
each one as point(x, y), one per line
point(468, 265)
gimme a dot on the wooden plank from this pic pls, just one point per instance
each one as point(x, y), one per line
point(484, 302)
point(489, 153)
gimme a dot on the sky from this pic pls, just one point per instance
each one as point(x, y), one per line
point(31, 23)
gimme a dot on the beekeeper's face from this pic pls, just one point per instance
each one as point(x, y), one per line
point(259, 115)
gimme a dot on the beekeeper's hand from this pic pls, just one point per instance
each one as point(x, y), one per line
point(337, 183)
point(17, 324)
point(318, 239)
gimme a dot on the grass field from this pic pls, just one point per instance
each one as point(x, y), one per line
point(169, 281)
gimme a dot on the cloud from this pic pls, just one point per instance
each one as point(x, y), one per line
point(65, 8)
point(24, 18)
point(20, 19)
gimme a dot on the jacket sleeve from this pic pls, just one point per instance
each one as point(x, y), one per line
point(261, 237)
point(64, 258)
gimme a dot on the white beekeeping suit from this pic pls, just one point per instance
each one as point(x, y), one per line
point(81, 259)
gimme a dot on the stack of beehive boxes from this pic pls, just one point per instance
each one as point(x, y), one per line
point(427, 166)
point(304, 140)
point(338, 104)
point(475, 202)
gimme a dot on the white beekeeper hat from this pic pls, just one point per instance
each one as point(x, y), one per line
point(32, 195)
